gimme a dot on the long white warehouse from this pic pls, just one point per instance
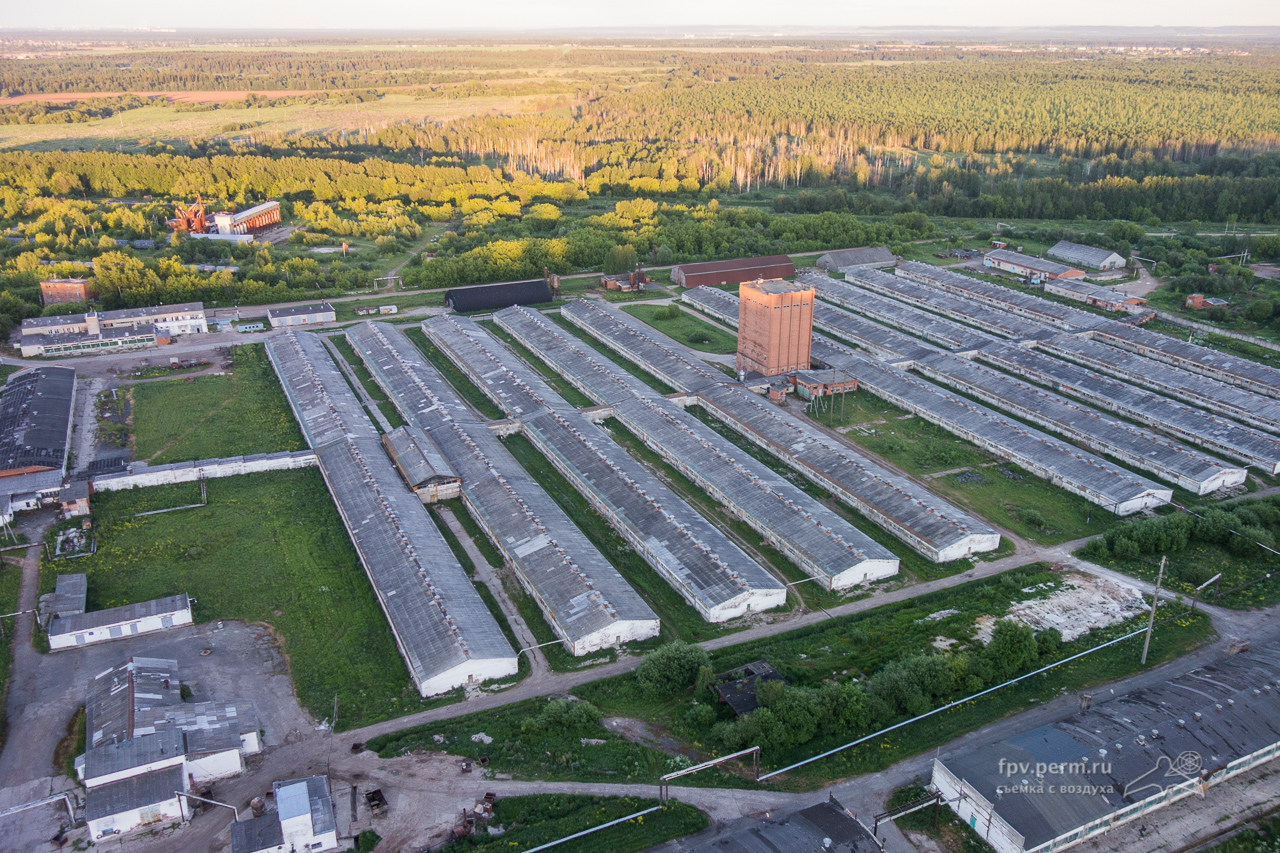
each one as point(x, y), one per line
point(714, 575)
point(1075, 470)
point(818, 540)
point(1187, 422)
point(587, 603)
point(442, 627)
point(1133, 445)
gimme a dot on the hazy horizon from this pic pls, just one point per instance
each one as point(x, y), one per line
point(511, 18)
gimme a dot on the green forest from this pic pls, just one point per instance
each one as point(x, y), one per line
point(673, 152)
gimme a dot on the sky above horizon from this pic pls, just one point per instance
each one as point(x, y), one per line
point(507, 15)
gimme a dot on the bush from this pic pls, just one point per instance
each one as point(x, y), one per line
point(671, 668)
point(620, 259)
point(367, 841)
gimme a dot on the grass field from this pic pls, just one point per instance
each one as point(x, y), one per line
point(1200, 561)
point(10, 581)
point(136, 128)
point(215, 416)
point(528, 750)
point(540, 818)
point(530, 742)
point(686, 328)
point(346, 311)
point(1262, 837)
point(268, 548)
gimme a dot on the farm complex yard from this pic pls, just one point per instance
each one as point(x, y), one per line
point(267, 548)
point(214, 416)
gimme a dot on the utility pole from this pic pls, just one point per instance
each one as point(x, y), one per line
point(1155, 601)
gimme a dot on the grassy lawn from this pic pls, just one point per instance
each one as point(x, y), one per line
point(1200, 561)
point(7, 370)
point(346, 311)
point(455, 377)
point(1000, 492)
point(268, 548)
point(215, 416)
point(678, 618)
point(540, 818)
point(371, 387)
point(10, 581)
point(850, 647)
point(686, 328)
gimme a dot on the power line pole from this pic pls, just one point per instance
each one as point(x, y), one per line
point(1155, 601)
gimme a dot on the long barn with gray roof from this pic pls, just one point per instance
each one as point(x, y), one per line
point(1015, 302)
point(1075, 470)
point(442, 627)
point(1220, 397)
point(823, 544)
point(712, 573)
point(586, 601)
point(1133, 445)
point(1197, 426)
point(931, 525)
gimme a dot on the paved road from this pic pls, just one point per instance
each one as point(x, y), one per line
point(562, 683)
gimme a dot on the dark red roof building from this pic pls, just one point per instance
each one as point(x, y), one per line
point(733, 272)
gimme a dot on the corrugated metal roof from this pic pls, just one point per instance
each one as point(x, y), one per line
point(35, 416)
point(167, 606)
point(820, 541)
point(878, 256)
point(703, 565)
point(1220, 713)
point(132, 793)
point(584, 596)
point(1077, 253)
point(441, 624)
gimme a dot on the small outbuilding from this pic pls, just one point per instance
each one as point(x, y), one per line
point(738, 687)
point(100, 625)
point(810, 384)
point(301, 315)
point(303, 820)
point(422, 464)
point(866, 257)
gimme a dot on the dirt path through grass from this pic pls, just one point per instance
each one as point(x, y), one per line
point(195, 426)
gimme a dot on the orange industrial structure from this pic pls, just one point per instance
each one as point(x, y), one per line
point(190, 219)
point(56, 291)
point(775, 327)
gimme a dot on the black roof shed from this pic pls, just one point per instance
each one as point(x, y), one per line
point(495, 297)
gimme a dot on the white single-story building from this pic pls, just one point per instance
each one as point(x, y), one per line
point(100, 625)
point(136, 802)
point(301, 315)
point(303, 821)
point(1079, 255)
point(146, 747)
